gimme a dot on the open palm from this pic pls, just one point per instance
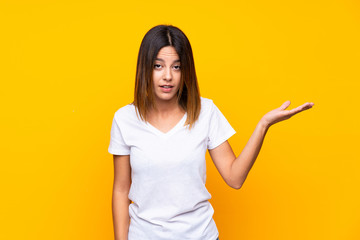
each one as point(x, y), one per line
point(280, 114)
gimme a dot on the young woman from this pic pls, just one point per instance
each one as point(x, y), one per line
point(159, 143)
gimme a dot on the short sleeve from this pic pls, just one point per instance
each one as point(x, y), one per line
point(219, 129)
point(117, 144)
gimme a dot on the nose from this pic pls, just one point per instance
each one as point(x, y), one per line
point(167, 74)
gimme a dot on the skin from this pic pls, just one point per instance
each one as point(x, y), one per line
point(234, 170)
point(166, 72)
point(167, 114)
point(120, 200)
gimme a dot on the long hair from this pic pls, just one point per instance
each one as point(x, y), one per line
point(188, 95)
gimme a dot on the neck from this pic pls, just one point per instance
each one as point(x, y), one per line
point(167, 107)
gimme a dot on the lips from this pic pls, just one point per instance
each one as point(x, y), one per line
point(166, 88)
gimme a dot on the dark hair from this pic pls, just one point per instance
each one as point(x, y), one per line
point(188, 95)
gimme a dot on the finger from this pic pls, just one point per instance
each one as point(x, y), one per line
point(311, 104)
point(284, 105)
point(303, 107)
point(307, 105)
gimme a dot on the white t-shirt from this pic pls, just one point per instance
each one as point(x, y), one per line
point(168, 173)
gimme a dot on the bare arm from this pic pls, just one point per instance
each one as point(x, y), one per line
point(234, 170)
point(120, 200)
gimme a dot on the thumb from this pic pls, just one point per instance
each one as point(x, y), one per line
point(284, 105)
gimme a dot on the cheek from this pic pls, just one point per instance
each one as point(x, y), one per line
point(156, 76)
point(178, 82)
point(178, 77)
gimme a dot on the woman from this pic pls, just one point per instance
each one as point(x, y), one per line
point(159, 143)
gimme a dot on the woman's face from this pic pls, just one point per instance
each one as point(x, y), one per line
point(166, 75)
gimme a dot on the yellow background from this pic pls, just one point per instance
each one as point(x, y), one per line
point(67, 66)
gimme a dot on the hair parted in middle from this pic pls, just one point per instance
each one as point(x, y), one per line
point(188, 95)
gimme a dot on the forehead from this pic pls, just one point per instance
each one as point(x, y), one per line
point(167, 52)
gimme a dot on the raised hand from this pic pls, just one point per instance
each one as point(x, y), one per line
point(280, 114)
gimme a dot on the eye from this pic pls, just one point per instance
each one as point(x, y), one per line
point(177, 67)
point(157, 66)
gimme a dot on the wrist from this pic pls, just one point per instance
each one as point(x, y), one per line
point(264, 124)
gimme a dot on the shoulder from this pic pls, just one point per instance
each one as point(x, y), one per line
point(125, 112)
point(207, 109)
point(206, 103)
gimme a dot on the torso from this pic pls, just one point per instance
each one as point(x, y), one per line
point(168, 171)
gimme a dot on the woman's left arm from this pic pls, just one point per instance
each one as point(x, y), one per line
point(234, 170)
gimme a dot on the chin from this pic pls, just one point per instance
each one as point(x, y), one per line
point(166, 98)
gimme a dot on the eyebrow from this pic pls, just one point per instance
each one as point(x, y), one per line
point(162, 60)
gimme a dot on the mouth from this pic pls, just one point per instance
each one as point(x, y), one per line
point(166, 86)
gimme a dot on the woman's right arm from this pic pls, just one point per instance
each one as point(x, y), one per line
point(120, 200)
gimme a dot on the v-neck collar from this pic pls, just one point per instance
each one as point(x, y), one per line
point(171, 131)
